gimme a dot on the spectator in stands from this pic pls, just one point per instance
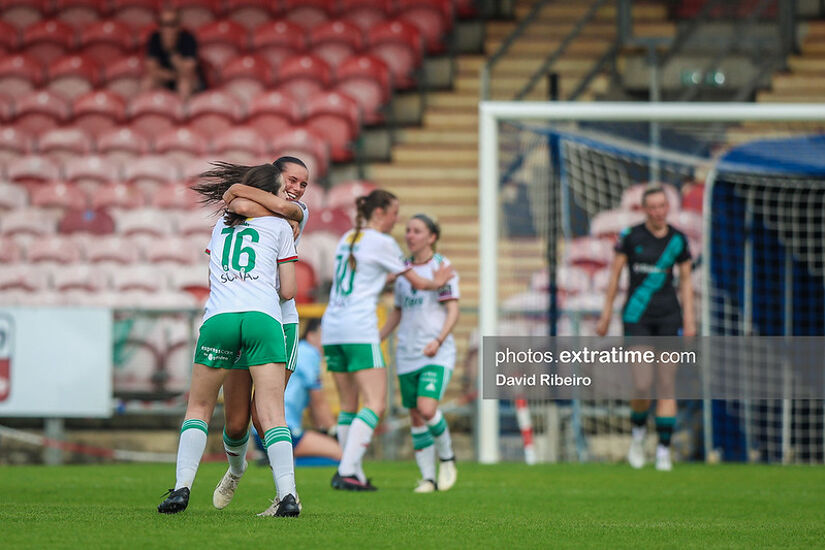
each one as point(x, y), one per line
point(172, 57)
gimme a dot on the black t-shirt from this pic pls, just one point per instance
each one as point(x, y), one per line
point(651, 294)
point(186, 46)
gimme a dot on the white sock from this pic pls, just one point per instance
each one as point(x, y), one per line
point(190, 451)
point(344, 422)
point(359, 438)
point(638, 433)
point(236, 453)
point(441, 434)
point(279, 450)
point(424, 451)
point(662, 451)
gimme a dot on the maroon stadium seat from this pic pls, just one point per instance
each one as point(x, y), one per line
point(273, 112)
point(135, 13)
point(219, 41)
point(172, 250)
point(123, 75)
point(307, 281)
point(79, 13)
point(198, 222)
point(305, 144)
point(304, 75)
point(10, 251)
point(39, 112)
point(249, 13)
point(399, 45)
point(590, 253)
point(61, 249)
point(277, 40)
point(334, 41)
point(99, 111)
point(610, 223)
point(433, 18)
point(693, 197)
point(20, 74)
point(143, 221)
point(14, 143)
point(32, 169)
point(335, 116)
point(58, 195)
point(95, 222)
point(117, 195)
point(175, 197)
point(6, 108)
point(9, 36)
point(192, 169)
point(155, 111)
point(122, 144)
point(72, 76)
point(115, 249)
point(23, 13)
point(106, 40)
point(151, 171)
point(331, 220)
point(195, 13)
point(343, 194)
point(308, 13)
point(314, 197)
point(241, 144)
point(365, 14)
point(180, 144)
point(47, 40)
point(91, 171)
point(213, 112)
point(246, 76)
point(64, 143)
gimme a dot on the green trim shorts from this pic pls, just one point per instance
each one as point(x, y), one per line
point(429, 381)
point(353, 357)
point(240, 340)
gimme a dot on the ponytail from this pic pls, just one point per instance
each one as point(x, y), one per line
point(364, 207)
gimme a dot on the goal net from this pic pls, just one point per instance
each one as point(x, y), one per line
point(745, 183)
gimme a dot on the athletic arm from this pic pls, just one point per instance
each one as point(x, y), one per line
point(449, 323)
point(320, 410)
point(440, 278)
point(286, 276)
point(248, 208)
point(272, 203)
point(616, 267)
point(686, 293)
point(391, 323)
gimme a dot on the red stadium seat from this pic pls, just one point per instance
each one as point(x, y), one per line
point(314, 198)
point(249, 13)
point(91, 171)
point(180, 144)
point(99, 111)
point(143, 221)
point(590, 253)
point(150, 172)
point(308, 13)
point(55, 248)
point(79, 13)
point(466, 9)
point(12, 196)
point(331, 220)
point(28, 221)
point(6, 108)
point(273, 112)
point(213, 112)
point(106, 40)
point(95, 222)
point(194, 223)
point(305, 144)
point(123, 76)
point(343, 194)
point(195, 13)
point(689, 222)
point(113, 249)
point(220, 41)
point(278, 40)
point(569, 280)
point(192, 279)
point(135, 13)
point(241, 144)
point(117, 195)
point(304, 76)
point(72, 76)
point(433, 18)
point(192, 169)
point(155, 111)
point(246, 76)
point(10, 251)
point(64, 143)
point(175, 197)
point(693, 197)
point(610, 223)
point(366, 79)
point(14, 143)
point(122, 144)
point(318, 249)
point(399, 45)
point(335, 116)
point(32, 169)
point(9, 36)
point(23, 13)
point(19, 75)
point(307, 283)
point(364, 14)
point(172, 250)
point(48, 40)
point(335, 41)
point(37, 113)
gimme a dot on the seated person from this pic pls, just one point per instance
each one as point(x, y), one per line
point(172, 57)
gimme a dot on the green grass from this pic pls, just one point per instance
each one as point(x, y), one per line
point(503, 506)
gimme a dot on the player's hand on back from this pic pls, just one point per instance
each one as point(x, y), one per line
point(296, 228)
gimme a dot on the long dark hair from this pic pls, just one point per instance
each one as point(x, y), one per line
point(214, 183)
point(365, 206)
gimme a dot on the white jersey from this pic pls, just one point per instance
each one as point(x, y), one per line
point(243, 266)
point(422, 317)
point(289, 309)
point(350, 317)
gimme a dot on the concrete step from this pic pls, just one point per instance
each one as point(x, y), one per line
point(804, 64)
point(574, 10)
point(424, 173)
point(439, 137)
point(543, 29)
point(595, 46)
point(453, 100)
point(795, 82)
point(457, 154)
point(445, 118)
point(508, 86)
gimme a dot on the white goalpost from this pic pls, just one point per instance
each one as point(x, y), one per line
point(575, 163)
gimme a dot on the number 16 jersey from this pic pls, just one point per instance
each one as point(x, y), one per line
point(350, 317)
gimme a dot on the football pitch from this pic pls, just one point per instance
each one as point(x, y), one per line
point(501, 506)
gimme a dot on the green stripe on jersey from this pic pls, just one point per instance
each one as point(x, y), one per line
point(638, 301)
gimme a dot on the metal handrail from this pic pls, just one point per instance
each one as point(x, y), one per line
point(596, 69)
point(505, 47)
point(554, 56)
